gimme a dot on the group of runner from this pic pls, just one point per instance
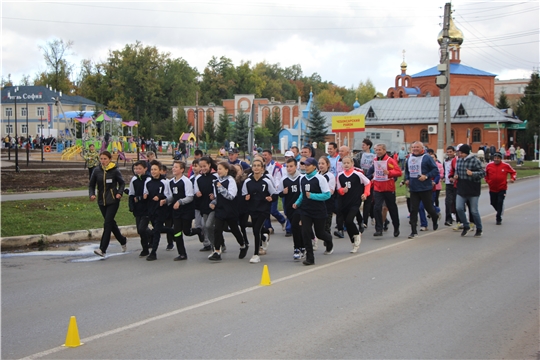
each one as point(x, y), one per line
point(211, 198)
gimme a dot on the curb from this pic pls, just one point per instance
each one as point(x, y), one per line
point(13, 242)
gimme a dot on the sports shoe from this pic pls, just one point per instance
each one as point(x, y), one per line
point(385, 226)
point(364, 226)
point(472, 226)
point(413, 235)
point(303, 253)
point(297, 255)
point(423, 228)
point(151, 257)
point(372, 221)
point(396, 232)
point(215, 256)
point(144, 253)
point(170, 247)
point(339, 234)
point(329, 249)
point(308, 262)
point(447, 223)
point(199, 234)
point(206, 248)
point(499, 222)
point(124, 247)
point(284, 226)
point(243, 251)
point(288, 234)
point(378, 233)
point(98, 252)
point(265, 239)
point(478, 233)
point(357, 240)
point(315, 243)
point(459, 226)
point(354, 249)
point(255, 259)
point(465, 231)
point(180, 258)
point(436, 223)
point(262, 251)
point(224, 248)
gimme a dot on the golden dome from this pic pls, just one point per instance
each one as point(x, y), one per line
point(403, 66)
point(456, 35)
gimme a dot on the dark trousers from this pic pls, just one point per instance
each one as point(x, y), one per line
point(169, 224)
point(497, 201)
point(144, 232)
point(296, 229)
point(90, 170)
point(426, 197)
point(450, 202)
point(367, 211)
point(243, 223)
point(318, 226)
point(349, 215)
point(109, 225)
point(388, 198)
point(257, 222)
point(182, 227)
point(159, 227)
point(220, 225)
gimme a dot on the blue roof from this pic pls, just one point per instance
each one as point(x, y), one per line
point(458, 69)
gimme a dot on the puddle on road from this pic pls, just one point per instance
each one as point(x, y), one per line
point(84, 252)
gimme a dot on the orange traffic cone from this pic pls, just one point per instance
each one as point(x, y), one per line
point(72, 337)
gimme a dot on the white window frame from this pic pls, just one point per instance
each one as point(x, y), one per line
point(24, 111)
point(24, 129)
point(9, 111)
point(40, 111)
point(9, 129)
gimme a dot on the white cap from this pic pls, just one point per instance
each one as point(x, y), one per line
point(289, 153)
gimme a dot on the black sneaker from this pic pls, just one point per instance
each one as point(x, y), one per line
point(499, 222)
point(378, 233)
point(215, 257)
point(180, 258)
point(170, 247)
point(435, 224)
point(385, 226)
point(151, 257)
point(199, 234)
point(413, 235)
point(243, 252)
point(308, 262)
point(447, 223)
point(465, 231)
point(206, 248)
point(396, 232)
point(339, 234)
point(144, 253)
point(288, 234)
point(478, 233)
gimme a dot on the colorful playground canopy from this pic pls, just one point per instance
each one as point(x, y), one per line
point(130, 123)
point(77, 115)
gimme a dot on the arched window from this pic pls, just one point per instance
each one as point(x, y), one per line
point(424, 136)
point(476, 135)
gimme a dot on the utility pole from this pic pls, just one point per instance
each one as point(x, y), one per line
point(442, 81)
point(196, 119)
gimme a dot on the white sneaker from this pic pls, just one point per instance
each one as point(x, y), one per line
point(315, 243)
point(423, 228)
point(262, 251)
point(255, 259)
point(354, 249)
point(284, 226)
point(357, 240)
point(98, 252)
point(297, 255)
point(124, 247)
point(303, 253)
point(329, 252)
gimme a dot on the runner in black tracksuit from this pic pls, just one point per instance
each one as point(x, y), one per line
point(138, 205)
point(204, 190)
point(183, 208)
point(259, 192)
point(226, 210)
point(158, 194)
point(289, 189)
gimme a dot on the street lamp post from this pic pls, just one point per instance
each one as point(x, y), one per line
point(41, 137)
point(535, 142)
point(27, 138)
point(9, 137)
point(16, 132)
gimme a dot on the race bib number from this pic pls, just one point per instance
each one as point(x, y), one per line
point(415, 166)
point(380, 167)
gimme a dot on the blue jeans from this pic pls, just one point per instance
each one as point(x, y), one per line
point(275, 213)
point(460, 209)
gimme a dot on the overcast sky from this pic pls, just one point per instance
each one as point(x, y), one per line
point(343, 41)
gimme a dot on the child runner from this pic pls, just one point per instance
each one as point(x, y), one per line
point(158, 193)
point(324, 166)
point(314, 192)
point(168, 216)
point(204, 190)
point(226, 210)
point(289, 189)
point(196, 170)
point(353, 187)
point(183, 208)
point(259, 192)
point(138, 205)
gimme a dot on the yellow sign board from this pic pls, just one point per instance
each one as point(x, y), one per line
point(348, 123)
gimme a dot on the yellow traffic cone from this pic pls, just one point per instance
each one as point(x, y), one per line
point(72, 337)
point(265, 279)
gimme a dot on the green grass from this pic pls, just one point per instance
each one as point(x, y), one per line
point(51, 216)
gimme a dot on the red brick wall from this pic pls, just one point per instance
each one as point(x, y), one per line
point(482, 86)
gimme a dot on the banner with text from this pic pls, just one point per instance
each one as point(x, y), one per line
point(348, 123)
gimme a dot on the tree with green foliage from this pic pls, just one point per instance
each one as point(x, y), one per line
point(58, 71)
point(223, 131)
point(241, 129)
point(366, 91)
point(263, 136)
point(529, 108)
point(209, 133)
point(219, 80)
point(317, 127)
point(503, 101)
point(273, 125)
point(181, 124)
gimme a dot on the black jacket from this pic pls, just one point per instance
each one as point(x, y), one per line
point(109, 183)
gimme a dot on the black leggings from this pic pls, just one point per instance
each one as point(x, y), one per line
point(257, 222)
point(220, 225)
point(318, 226)
point(298, 243)
point(348, 216)
point(182, 227)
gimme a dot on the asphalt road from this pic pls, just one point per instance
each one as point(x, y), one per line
point(439, 296)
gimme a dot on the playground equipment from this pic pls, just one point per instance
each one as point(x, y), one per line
point(70, 152)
